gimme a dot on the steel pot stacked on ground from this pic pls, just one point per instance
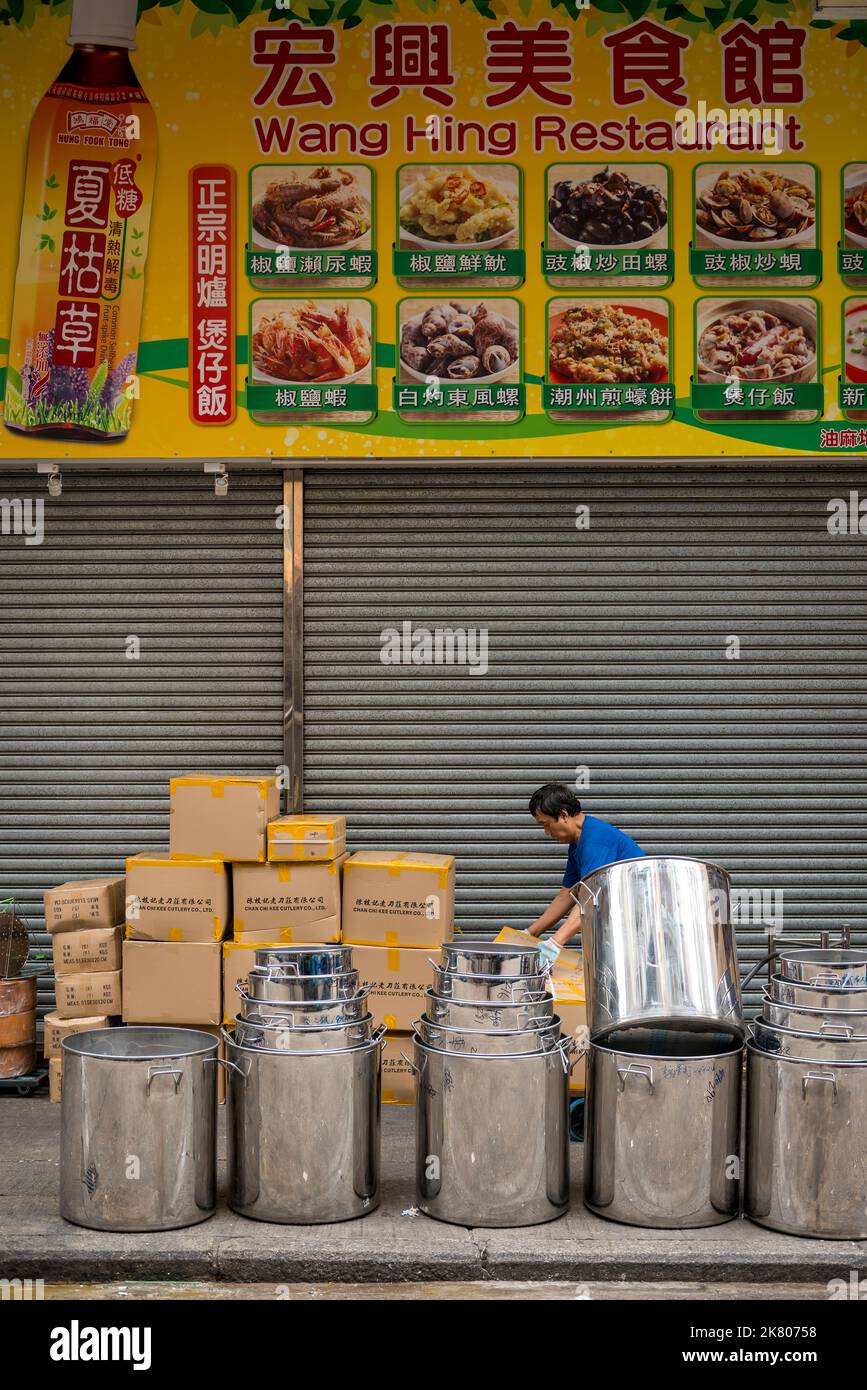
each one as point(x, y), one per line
point(492, 1092)
point(138, 1128)
point(807, 1098)
point(666, 1048)
point(303, 1092)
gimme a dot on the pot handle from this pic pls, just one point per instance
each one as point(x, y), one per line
point(412, 1066)
point(565, 1047)
point(818, 1076)
point(230, 1066)
point(576, 896)
point(164, 1071)
point(378, 1035)
point(836, 1030)
point(825, 981)
point(636, 1069)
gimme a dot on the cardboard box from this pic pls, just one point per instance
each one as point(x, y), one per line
point(287, 903)
point(55, 1080)
point(57, 1028)
point(85, 902)
point(221, 817)
point(570, 1005)
point(238, 960)
point(172, 982)
point(394, 899)
point(91, 992)
point(176, 899)
point(95, 948)
point(397, 977)
point(294, 839)
point(398, 1078)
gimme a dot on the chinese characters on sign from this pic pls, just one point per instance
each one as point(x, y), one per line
point(212, 302)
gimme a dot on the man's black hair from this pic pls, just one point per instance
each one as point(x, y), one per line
point(553, 798)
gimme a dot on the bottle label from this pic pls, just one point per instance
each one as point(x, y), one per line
point(80, 278)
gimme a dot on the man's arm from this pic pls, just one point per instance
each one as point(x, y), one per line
point(560, 905)
point(570, 927)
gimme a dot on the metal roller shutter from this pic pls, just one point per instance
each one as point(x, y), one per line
point(607, 648)
point(88, 737)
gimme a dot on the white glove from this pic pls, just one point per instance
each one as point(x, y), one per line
point(548, 953)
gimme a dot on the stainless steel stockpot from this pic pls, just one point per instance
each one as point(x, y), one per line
point(826, 1024)
point(806, 1171)
point(491, 958)
point(307, 1012)
point(303, 1132)
point(542, 1036)
point(515, 989)
point(828, 967)
point(273, 1033)
point(811, 996)
point(841, 1046)
point(659, 945)
point(662, 1134)
point(264, 984)
point(486, 1014)
point(305, 960)
point(492, 1137)
point(142, 1094)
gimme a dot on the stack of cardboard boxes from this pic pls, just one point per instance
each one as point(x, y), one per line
point(85, 919)
point(398, 909)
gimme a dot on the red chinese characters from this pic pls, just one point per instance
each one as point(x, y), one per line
point(212, 294)
point(75, 334)
point(127, 195)
point(763, 65)
point(411, 55)
point(645, 57)
point(294, 56)
point(537, 60)
point(82, 263)
point(88, 193)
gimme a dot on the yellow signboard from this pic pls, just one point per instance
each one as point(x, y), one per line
point(435, 230)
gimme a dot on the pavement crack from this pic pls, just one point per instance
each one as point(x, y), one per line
point(481, 1249)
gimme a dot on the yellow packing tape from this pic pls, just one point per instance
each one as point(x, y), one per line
point(284, 873)
point(390, 1021)
point(393, 957)
point(176, 861)
point(175, 934)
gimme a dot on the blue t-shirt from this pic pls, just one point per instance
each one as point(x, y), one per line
point(598, 844)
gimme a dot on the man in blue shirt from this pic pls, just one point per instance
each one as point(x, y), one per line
point(592, 844)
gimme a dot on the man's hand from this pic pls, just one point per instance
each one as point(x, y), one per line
point(548, 951)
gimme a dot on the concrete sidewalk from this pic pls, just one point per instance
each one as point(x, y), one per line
point(389, 1245)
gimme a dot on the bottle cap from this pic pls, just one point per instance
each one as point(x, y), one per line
point(107, 23)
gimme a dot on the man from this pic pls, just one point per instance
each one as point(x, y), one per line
point(592, 844)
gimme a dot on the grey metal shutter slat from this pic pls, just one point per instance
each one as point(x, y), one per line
point(88, 739)
point(606, 647)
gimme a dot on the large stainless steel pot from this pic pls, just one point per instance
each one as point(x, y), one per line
point(831, 1024)
point(263, 983)
point(827, 967)
point(272, 1032)
point(516, 989)
point(306, 1012)
point(468, 1013)
point(541, 1036)
point(838, 1046)
point(661, 1135)
point(800, 996)
point(806, 1170)
point(303, 1133)
point(491, 958)
point(659, 945)
point(138, 1117)
point(305, 960)
point(492, 1137)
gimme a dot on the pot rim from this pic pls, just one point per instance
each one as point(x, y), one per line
point(308, 1027)
point(550, 1024)
point(645, 858)
point(737, 1045)
point(840, 956)
point(801, 1061)
point(830, 1014)
point(368, 1045)
point(487, 948)
point(487, 1056)
point(546, 996)
point(75, 1043)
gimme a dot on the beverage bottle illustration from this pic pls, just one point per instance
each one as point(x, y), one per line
point(91, 161)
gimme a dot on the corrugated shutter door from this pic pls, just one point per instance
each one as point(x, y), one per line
point(609, 648)
point(88, 737)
